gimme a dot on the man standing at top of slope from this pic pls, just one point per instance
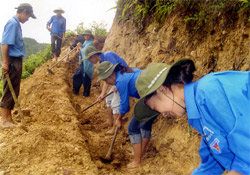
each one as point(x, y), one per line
point(57, 30)
point(13, 50)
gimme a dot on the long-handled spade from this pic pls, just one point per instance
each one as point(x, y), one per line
point(16, 101)
point(108, 155)
point(49, 69)
point(96, 102)
point(56, 34)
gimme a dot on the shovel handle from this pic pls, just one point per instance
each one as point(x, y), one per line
point(14, 95)
point(96, 102)
point(108, 155)
point(56, 34)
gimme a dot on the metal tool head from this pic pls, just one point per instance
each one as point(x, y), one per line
point(50, 71)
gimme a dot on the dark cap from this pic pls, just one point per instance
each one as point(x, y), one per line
point(28, 9)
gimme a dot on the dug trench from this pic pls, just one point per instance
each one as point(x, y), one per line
point(61, 139)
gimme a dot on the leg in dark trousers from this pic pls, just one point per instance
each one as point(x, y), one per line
point(58, 46)
point(87, 85)
point(78, 79)
point(53, 45)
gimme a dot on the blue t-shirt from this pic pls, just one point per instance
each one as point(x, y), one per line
point(218, 106)
point(12, 36)
point(88, 67)
point(125, 85)
point(58, 25)
point(112, 58)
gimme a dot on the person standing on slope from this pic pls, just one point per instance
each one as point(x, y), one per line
point(13, 51)
point(57, 32)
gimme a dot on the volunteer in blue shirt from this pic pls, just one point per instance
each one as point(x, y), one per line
point(217, 106)
point(124, 79)
point(57, 32)
point(85, 71)
point(13, 50)
point(112, 101)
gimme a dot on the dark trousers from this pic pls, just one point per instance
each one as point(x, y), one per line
point(56, 44)
point(79, 79)
point(15, 73)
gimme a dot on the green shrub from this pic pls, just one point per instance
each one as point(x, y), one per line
point(34, 61)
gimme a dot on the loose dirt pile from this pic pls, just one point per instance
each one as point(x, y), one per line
point(60, 139)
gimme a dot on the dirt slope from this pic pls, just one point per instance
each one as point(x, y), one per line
point(60, 140)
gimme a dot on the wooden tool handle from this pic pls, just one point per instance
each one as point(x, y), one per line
point(108, 155)
point(96, 102)
point(14, 95)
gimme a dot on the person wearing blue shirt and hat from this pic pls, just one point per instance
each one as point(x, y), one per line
point(85, 71)
point(13, 50)
point(124, 79)
point(113, 101)
point(57, 32)
point(217, 106)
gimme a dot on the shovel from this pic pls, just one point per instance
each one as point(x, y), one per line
point(108, 155)
point(49, 69)
point(56, 34)
point(16, 101)
point(96, 102)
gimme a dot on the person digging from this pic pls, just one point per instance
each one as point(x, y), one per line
point(113, 101)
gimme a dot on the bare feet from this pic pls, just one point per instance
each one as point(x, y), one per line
point(107, 124)
point(110, 132)
point(125, 119)
point(7, 124)
point(133, 165)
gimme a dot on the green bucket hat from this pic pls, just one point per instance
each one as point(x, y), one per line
point(105, 69)
point(90, 51)
point(148, 81)
point(87, 32)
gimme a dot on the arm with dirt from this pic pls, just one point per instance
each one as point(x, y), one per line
point(104, 90)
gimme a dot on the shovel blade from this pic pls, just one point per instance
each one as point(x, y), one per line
point(50, 71)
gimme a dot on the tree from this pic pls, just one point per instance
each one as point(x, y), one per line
point(79, 29)
point(99, 29)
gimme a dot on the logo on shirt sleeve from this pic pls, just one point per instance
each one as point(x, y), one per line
point(215, 145)
point(207, 133)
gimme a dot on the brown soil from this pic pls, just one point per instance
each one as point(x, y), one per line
point(60, 140)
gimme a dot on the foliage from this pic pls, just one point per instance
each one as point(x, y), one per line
point(68, 34)
point(164, 8)
point(79, 29)
point(195, 13)
point(199, 19)
point(34, 61)
point(244, 5)
point(96, 29)
point(99, 29)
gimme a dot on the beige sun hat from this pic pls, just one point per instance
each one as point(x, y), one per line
point(59, 10)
